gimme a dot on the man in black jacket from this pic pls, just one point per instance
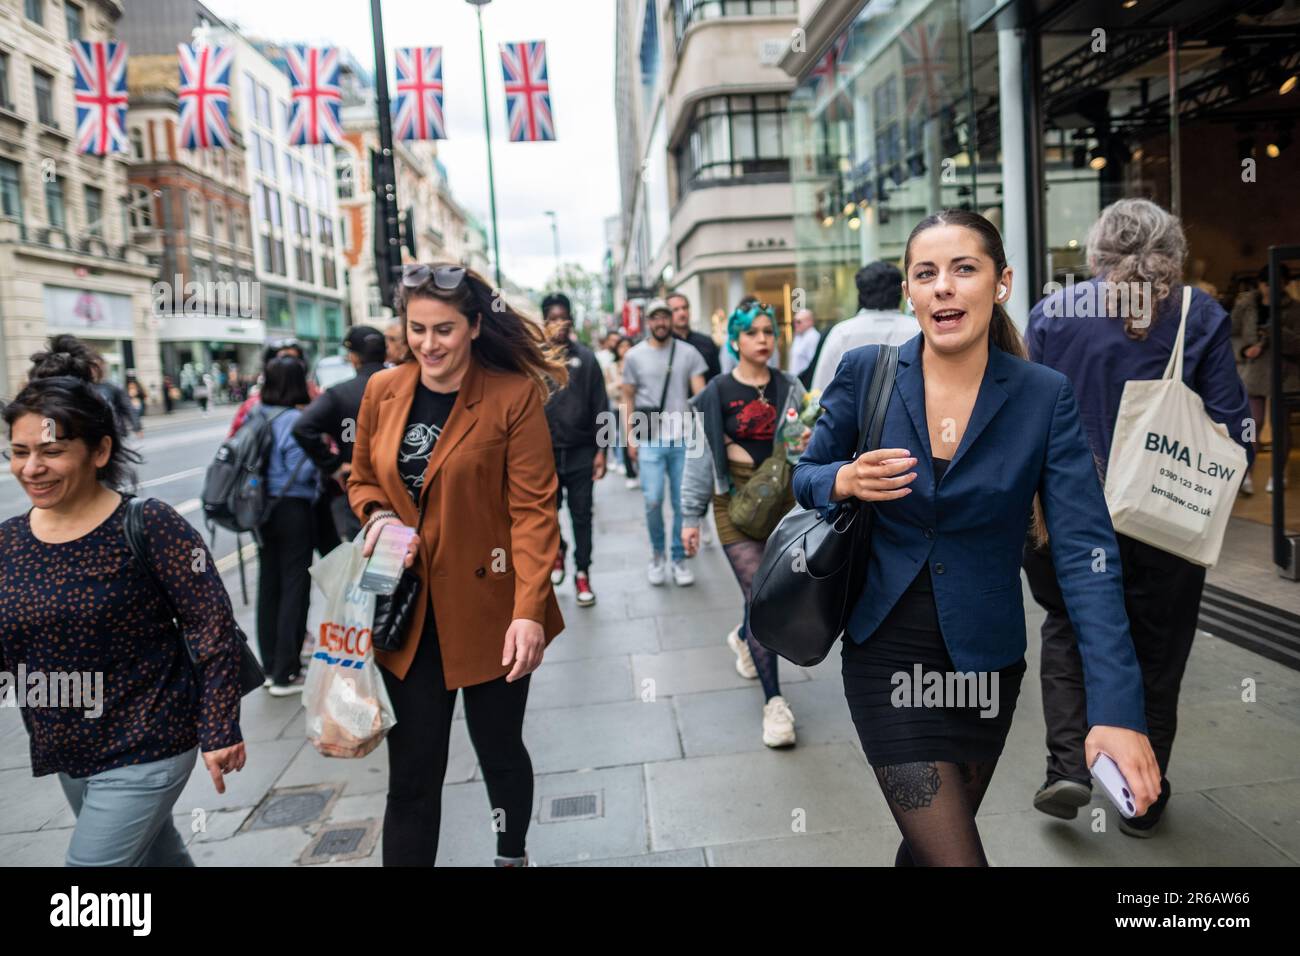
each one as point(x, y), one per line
point(326, 430)
point(681, 307)
point(574, 414)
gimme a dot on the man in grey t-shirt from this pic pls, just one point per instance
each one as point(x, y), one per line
point(656, 435)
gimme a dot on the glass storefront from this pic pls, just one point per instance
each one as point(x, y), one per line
point(884, 130)
point(901, 118)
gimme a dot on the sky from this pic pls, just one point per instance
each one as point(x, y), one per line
point(576, 176)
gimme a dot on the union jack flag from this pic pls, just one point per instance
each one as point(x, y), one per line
point(99, 85)
point(528, 92)
point(417, 109)
point(314, 115)
point(828, 90)
point(924, 67)
point(204, 96)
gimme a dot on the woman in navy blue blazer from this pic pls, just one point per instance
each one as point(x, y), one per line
point(935, 645)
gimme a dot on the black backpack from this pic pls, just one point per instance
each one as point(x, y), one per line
point(234, 488)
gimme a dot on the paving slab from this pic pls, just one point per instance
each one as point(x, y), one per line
point(697, 669)
point(601, 735)
point(596, 680)
point(737, 797)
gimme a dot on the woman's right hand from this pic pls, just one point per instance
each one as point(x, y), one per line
point(878, 475)
point(373, 535)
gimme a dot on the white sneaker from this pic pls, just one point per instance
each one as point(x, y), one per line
point(655, 572)
point(1269, 487)
point(706, 533)
point(632, 483)
point(682, 576)
point(1248, 486)
point(778, 723)
point(744, 660)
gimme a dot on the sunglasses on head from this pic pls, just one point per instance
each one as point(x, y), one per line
point(446, 278)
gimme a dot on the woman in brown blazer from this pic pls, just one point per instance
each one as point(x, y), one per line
point(454, 442)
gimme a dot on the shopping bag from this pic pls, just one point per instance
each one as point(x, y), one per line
point(348, 709)
point(1173, 472)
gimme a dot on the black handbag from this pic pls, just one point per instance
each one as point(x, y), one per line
point(393, 612)
point(251, 675)
point(813, 568)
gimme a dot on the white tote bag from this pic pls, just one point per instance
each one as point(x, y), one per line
point(1173, 472)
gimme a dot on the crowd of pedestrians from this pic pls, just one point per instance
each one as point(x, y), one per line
point(478, 427)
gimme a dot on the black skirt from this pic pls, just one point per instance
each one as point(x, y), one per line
point(902, 713)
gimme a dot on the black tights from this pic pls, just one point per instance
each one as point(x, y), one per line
point(745, 556)
point(934, 805)
point(417, 757)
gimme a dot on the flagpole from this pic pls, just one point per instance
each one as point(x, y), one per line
point(487, 129)
point(385, 185)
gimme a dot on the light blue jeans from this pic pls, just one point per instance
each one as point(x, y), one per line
point(124, 816)
point(659, 464)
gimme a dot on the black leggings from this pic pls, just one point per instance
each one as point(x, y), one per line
point(417, 757)
point(284, 587)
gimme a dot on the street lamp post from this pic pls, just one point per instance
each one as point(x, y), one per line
point(487, 129)
point(555, 239)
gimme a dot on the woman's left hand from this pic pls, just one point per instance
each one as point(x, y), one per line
point(803, 441)
point(525, 644)
point(224, 761)
point(1132, 753)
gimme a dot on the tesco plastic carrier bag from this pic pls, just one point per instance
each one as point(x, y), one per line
point(348, 710)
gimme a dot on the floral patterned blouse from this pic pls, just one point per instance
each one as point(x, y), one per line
point(85, 606)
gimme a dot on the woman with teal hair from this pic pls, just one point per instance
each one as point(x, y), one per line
point(739, 414)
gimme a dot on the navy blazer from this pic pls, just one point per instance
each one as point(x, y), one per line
point(1023, 437)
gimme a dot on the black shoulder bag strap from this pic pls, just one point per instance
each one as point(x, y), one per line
point(873, 416)
point(668, 375)
point(250, 671)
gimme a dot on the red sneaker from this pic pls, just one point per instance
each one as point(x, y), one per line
point(557, 569)
point(586, 597)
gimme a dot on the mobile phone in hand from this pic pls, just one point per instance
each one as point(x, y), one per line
point(1107, 773)
point(384, 567)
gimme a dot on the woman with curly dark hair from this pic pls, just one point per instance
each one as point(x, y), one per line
point(77, 610)
point(454, 443)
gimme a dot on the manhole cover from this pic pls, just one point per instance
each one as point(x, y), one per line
point(577, 806)
point(340, 842)
point(292, 807)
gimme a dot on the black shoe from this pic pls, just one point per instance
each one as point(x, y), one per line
point(1144, 827)
point(1062, 798)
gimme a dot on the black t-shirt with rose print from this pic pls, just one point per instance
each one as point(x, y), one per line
point(429, 413)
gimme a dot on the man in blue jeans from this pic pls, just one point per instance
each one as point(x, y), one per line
point(659, 377)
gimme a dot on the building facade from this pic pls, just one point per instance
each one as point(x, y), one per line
point(65, 260)
point(189, 214)
point(291, 212)
point(704, 155)
point(1038, 115)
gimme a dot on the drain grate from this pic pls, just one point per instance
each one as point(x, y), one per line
point(342, 840)
point(338, 842)
point(294, 806)
point(577, 806)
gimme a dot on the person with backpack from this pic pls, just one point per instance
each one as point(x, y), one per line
point(284, 531)
point(741, 413)
point(132, 715)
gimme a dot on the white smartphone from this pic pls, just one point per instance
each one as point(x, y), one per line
point(384, 568)
point(1106, 772)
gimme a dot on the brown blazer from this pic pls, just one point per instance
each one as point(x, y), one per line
point(490, 531)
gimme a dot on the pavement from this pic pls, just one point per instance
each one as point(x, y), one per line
point(638, 714)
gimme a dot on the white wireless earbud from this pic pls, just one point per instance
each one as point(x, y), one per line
point(1002, 291)
point(910, 306)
